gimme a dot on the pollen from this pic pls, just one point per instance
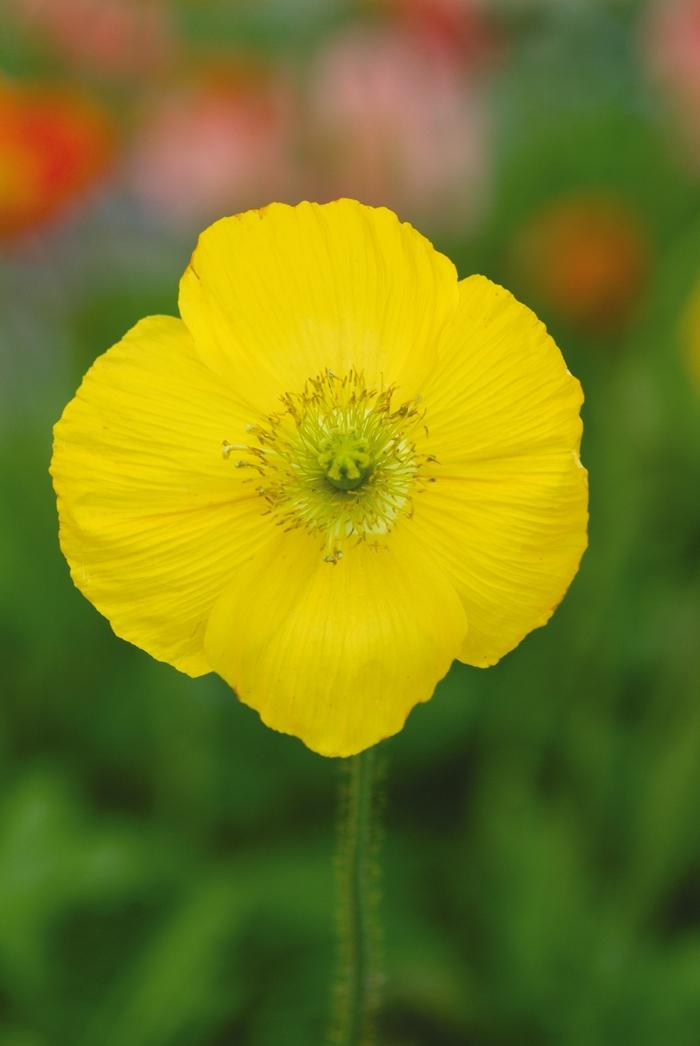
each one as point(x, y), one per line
point(338, 459)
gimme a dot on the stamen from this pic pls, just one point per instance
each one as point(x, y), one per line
point(338, 460)
point(228, 447)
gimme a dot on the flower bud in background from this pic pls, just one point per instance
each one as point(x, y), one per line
point(395, 118)
point(586, 257)
point(214, 146)
point(54, 145)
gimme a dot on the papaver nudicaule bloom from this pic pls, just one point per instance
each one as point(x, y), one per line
point(339, 471)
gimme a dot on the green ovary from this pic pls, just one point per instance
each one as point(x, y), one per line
point(345, 461)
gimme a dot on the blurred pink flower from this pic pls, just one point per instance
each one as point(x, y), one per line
point(672, 44)
point(395, 119)
point(114, 38)
point(217, 146)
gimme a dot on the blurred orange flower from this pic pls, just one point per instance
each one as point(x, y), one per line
point(214, 146)
point(587, 257)
point(395, 118)
point(110, 37)
point(54, 143)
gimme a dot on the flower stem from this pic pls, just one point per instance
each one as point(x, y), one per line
point(358, 985)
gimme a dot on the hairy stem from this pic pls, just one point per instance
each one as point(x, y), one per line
point(358, 984)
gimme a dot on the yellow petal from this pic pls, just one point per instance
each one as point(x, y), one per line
point(336, 655)
point(153, 520)
point(506, 518)
point(275, 296)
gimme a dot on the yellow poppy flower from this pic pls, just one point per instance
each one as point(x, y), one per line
point(339, 471)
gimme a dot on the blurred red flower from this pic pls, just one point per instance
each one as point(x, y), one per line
point(458, 25)
point(394, 118)
point(587, 257)
point(116, 38)
point(54, 144)
point(221, 144)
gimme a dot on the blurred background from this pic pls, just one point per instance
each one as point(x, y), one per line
point(165, 872)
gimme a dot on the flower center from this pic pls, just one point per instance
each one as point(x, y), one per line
point(345, 460)
point(339, 460)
